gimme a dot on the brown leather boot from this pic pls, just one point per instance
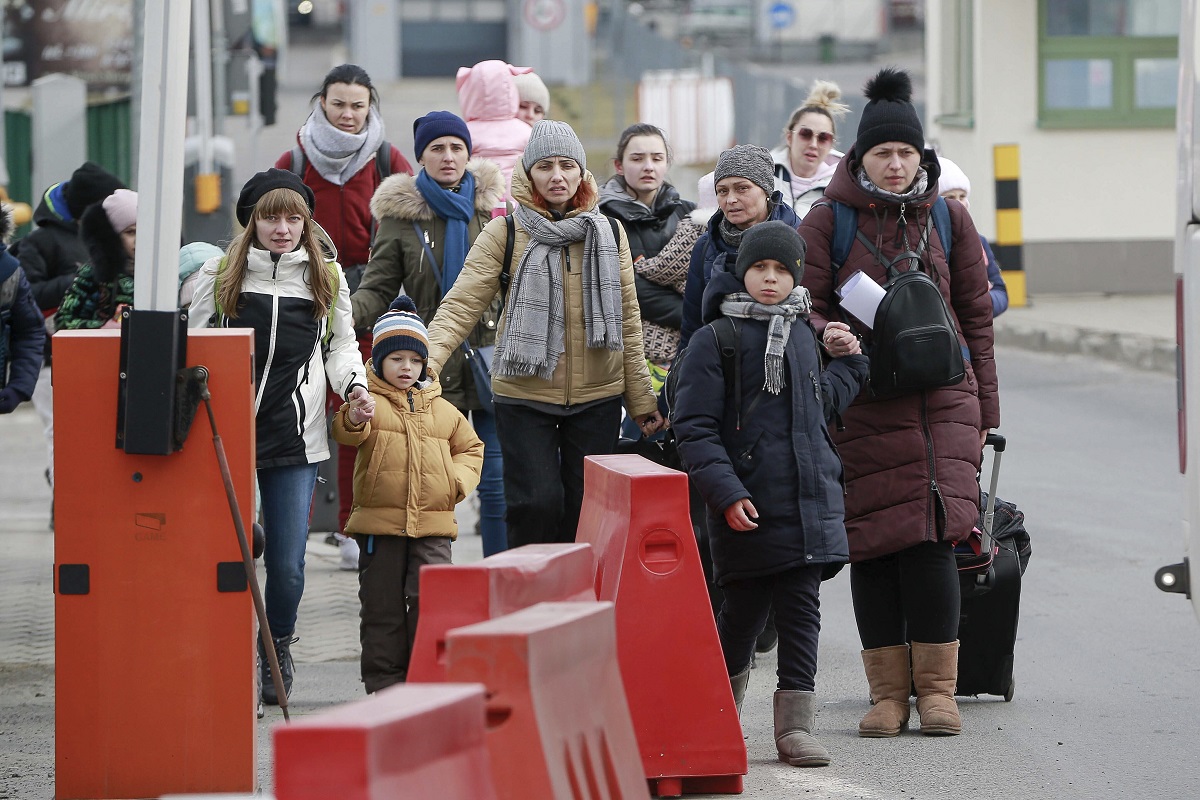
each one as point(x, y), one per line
point(935, 674)
point(890, 679)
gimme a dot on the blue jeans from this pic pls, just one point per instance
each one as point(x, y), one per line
point(491, 485)
point(286, 499)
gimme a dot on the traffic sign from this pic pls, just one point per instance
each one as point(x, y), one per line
point(782, 15)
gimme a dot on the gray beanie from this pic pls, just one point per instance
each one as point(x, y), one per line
point(550, 138)
point(747, 161)
point(775, 240)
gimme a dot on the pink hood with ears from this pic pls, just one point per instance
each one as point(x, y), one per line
point(486, 91)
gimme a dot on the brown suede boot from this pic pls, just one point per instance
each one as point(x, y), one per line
point(795, 712)
point(890, 679)
point(935, 673)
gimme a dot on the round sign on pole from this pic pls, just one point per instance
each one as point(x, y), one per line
point(544, 15)
point(782, 15)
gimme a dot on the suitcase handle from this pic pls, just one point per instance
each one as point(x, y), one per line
point(997, 442)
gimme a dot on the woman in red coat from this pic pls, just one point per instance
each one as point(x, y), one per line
point(339, 146)
point(911, 459)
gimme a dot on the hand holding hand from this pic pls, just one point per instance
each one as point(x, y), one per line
point(741, 515)
point(839, 340)
point(651, 423)
point(362, 406)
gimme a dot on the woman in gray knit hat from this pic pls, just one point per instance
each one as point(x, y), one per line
point(746, 196)
point(569, 345)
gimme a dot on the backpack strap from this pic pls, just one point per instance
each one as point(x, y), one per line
point(297, 165)
point(334, 274)
point(509, 242)
point(383, 160)
point(940, 214)
point(845, 228)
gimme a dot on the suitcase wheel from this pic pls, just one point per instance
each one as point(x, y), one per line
point(1012, 687)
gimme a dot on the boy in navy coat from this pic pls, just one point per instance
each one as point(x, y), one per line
point(767, 468)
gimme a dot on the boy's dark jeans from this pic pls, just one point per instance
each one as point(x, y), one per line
point(389, 592)
point(543, 466)
point(911, 595)
point(795, 595)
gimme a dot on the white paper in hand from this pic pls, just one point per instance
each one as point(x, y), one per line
point(861, 296)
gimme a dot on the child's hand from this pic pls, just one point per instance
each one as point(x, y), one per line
point(839, 340)
point(741, 514)
point(362, 406)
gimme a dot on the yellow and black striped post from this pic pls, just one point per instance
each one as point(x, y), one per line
point(1009, 245)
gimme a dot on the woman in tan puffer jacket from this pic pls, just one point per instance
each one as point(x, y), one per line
point(569, 345)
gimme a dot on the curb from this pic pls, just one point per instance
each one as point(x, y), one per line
point(1149, 353)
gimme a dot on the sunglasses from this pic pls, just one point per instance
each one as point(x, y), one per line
point(824, 137)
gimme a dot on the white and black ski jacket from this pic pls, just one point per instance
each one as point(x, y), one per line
point(291, 358)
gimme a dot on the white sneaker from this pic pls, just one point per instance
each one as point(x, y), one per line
point(348, 548)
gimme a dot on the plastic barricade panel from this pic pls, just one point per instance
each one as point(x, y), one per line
point(635, 515)
point(154, 624)
point(453, 595)
point(558, 725)
point(405, 741)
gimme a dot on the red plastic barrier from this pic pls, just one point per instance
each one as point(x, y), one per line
point(453, 595)
point(404, 741)
point(558, 724)
point(635, 514)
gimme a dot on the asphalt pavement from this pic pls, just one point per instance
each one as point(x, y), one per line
point(1137, 331)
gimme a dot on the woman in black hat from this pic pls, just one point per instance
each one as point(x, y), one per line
point(276, 280)
point(911, 458)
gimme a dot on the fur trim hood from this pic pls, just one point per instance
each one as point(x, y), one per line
point(399, 197)
point(106, 253)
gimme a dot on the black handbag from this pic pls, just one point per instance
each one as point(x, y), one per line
point(479, 359)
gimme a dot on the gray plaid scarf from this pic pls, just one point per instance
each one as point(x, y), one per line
point(780, 318)
point(535, 321)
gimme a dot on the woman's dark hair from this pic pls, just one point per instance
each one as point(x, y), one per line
point(640, 129)
point(352, 74)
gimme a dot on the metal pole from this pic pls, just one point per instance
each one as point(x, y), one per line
point(162, 128)
point(220, 63)
point(202, 49)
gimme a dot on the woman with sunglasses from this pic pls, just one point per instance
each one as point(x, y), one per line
point(805, 162)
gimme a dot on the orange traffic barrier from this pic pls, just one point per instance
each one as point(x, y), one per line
point(453, 595)
point(405, 741)
point(635, 515)
point(153, 621)
point(558, 725)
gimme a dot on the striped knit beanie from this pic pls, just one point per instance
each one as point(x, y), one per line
point(400, 328)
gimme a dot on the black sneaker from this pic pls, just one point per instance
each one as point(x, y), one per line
point(283, 652)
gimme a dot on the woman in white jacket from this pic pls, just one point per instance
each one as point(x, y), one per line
point(276, 280)
point(805, 162)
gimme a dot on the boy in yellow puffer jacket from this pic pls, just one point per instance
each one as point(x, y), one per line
point(417, 458)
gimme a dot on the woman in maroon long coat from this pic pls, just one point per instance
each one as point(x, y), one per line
point(911, 460)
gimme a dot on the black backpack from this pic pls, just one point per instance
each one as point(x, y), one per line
point(914, 341)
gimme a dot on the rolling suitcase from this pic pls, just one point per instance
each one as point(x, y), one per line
point(991, 595)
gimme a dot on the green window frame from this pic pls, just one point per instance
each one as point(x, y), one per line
point(958, 58)
point(1113, 61)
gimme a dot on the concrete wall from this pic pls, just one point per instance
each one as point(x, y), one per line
point(1097, 204)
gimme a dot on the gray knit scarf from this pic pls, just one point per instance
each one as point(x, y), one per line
point(780, 318)
point(535, 321)
point(920, 184)
point(335, 154)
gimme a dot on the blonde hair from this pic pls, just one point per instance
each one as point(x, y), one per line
point(822, 99)
point(285, 202)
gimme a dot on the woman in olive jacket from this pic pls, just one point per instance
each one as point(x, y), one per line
point(427, 224)
point(911, 460)
point(569, 346)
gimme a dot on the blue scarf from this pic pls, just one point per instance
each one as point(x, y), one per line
point(456, 208)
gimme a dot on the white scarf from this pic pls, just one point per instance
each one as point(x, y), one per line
point(335, 154)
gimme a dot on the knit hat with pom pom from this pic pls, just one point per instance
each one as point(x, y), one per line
point(400, 328)
point(889, 115)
